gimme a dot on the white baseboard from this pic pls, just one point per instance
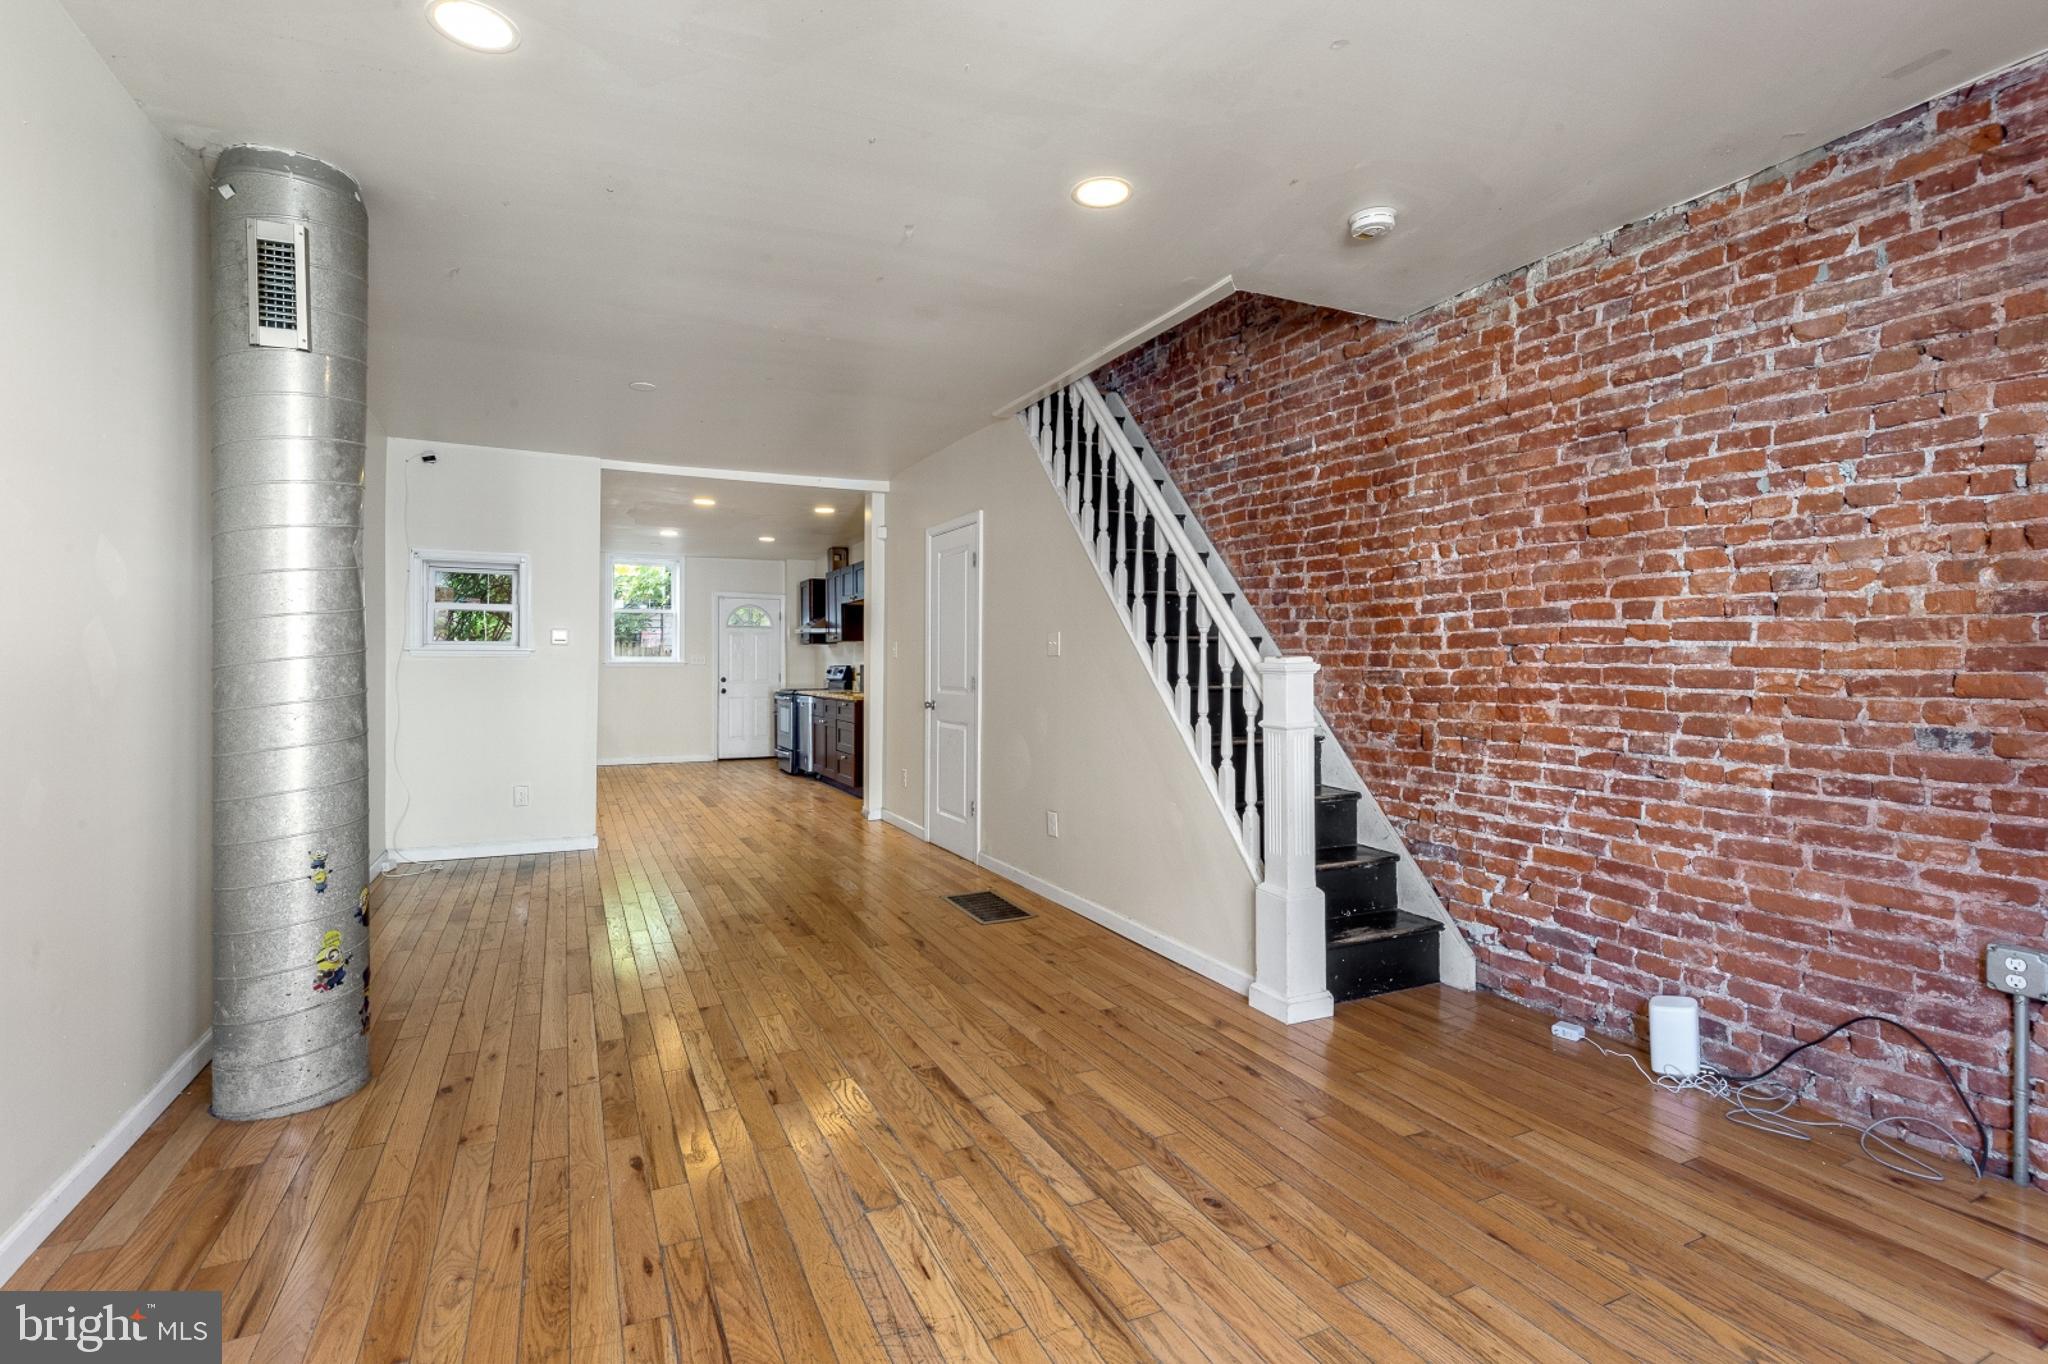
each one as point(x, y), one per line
point(1174, 950)
point(651, 761)
point(463, 851)
point(42, 1217)
point(916, 831)
point(381, 863)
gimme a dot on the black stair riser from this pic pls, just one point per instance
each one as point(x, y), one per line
point(1337, 821)
point(1379, 967)
point(1358, 888)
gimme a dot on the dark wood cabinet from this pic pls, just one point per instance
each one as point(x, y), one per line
point(839, 600)
point(846, 597)
point(837, 742)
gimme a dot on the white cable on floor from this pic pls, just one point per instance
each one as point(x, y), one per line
point(1766, 1106)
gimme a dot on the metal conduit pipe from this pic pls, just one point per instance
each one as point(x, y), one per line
point(291, 755)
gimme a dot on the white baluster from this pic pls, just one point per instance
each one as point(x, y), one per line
point(1094, 506)
point(1202, 657)
point(1041, 429)
point(1056, 418)
point(1226, 769)
point(1123, 550)
point(1077, 494)
point(1180, 690)
point(1254, 778)
point(1156, 606)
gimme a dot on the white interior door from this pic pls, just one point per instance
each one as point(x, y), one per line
point(749, 671)
point(953, 688)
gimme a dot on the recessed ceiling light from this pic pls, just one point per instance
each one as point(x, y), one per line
point(1102, 191)
point(704, 501)
point(641, 386)
point(767, 539)
point(670, 531)
point(473, 24)
point(824, 511)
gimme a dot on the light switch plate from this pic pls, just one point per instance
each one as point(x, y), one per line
point(2016, 970)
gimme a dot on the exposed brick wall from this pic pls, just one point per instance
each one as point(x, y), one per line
point(1680, 597)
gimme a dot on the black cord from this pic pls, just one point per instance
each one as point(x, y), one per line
point(1983, 1136)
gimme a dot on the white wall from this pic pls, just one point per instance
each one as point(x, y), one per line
point(106, 979)
point(460, 730)
point(1084, 734)
point(668, 712)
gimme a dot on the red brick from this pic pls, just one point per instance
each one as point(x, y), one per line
point(1679, 599)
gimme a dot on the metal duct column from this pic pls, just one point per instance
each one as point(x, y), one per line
point(291, 953)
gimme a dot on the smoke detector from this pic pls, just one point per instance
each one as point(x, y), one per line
point(1368, 223)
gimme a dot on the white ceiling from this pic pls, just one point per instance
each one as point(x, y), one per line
point(838, 236)
point(637, 506)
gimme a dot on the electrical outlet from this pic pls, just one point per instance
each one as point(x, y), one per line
point(905, 783)
point(1052, 645)
point(522, 795)
point(1052, 824)
point(2016, 971)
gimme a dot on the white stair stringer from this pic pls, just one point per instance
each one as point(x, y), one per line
point(1456, 964)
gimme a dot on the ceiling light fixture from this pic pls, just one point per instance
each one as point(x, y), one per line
point(1368, 223)
point(1102, 191)
point(474, 25)
point(641, 385)
point(767, 539)
point(704, 501)
point(824, 511)
point(670, 532)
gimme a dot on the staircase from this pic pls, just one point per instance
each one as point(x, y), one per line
point(1217, 673)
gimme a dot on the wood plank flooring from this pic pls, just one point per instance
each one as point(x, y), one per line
point(740, 1085)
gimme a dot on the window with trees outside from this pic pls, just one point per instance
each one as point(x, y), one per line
point(468, 603)
point(647, 623)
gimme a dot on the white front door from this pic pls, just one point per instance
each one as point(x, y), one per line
point(749, 671)
point(953, 687)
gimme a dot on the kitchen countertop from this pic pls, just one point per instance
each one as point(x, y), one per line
point(830, 695)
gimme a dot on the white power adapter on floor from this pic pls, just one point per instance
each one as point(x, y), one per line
point(1564, 1030)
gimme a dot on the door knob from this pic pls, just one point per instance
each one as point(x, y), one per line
point(931, 705)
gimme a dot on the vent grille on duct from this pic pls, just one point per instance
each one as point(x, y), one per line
point(277, 285)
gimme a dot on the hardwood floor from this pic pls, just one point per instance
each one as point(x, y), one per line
point(741, 1085)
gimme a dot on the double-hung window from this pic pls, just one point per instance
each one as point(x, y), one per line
point(646, 611)
point(469, 603)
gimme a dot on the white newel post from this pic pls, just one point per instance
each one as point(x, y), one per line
point(1288, 940)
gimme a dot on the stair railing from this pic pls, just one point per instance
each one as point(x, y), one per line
point(1113, 503)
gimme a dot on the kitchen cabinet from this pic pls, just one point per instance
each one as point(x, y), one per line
point(837, 742)
point(839, 601)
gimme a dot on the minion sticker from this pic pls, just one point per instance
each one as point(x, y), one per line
point(363, 906)
point(318, 858)
point(330, 968)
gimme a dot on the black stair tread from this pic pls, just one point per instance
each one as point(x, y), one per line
point(1357, 855)
point(1335, 793)
point(1402, 924)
